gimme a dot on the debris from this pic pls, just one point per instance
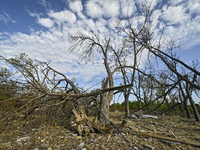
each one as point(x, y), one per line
point(44, 145)
point(139, 114)
point(135, 148)
point(169, 143)
point(166, 138)
point(134, 116)
point(74, 135)
point(78, 137)
point(149, 147)
point(27, 146)
point(81, 145)
point(170, 131)
point(149, 116)
point(116, 111)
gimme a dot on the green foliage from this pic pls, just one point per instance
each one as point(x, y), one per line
point(5, 84)
point(198, 107)
point(24, 64)
point(115, 106)
point(134, 106)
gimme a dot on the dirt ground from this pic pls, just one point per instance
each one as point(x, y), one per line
point(41, 133)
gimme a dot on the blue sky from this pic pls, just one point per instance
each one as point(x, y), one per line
point(41, 29)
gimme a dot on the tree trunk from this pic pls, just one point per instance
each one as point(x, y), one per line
point(196, 113)
point(106, 98)
point(185, 103)
point(104, 104)
point(104, 108)
point(182, 104)
point(146, 102)
point(126, 96)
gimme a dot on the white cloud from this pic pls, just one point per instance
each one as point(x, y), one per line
point(111, 9)
point(156, 15)
point(42, 2)
point(63, 16)
point(112, 23)
point(175, 2)
point(90, 23)
point(6, 18)
point(194, 6)
point(93, 9)
point(152, 2)
point(52, 44)
point(127, 7)
point(101, 26)
point(175, 14)
point(77, 7)
point(46, 22)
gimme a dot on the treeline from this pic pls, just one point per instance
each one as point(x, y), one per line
point(163, 108)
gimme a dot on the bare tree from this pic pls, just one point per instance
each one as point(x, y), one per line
point(134, 36)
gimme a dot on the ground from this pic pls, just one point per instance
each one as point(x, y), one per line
point(41, 133)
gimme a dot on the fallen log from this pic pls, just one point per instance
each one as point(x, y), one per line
point(165, 138)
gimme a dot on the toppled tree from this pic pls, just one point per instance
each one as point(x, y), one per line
point(49, 93)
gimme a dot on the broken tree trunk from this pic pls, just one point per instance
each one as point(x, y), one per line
point(81, 118)
point(196, 113)
point(104, 104)
point(165, 138)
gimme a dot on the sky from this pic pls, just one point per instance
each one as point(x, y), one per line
point(42, 28)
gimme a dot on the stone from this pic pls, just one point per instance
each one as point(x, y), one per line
point(168, 143)
point(149, 147)
point(74, 135)
point(44, 145)
point(92, 135)
point(84, 149)
point(78, 137)
point(139, 114)
point(116, 111)
point(149, 116)
point(86, 130)
point(135, 148)
point(144, 139)
point(73, 125)
point(23, 138)
point(123, 134)
point(81, 145)
point(134, 116)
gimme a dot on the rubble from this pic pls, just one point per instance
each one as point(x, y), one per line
point(139, 115)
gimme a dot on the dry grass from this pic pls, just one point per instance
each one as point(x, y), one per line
point(44, 133)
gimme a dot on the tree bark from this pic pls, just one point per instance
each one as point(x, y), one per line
point(196, 113)
point(104, 105)
point(127, 106)
point(185, 102)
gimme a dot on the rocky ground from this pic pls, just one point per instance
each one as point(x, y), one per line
point(41, 133)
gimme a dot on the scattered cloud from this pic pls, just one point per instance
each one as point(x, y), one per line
point(175, 14)
point(46, 22)
point(173, 3)
point(194, 6)
point(42, 2)
point(93, 9)
point(6, 18)
point(181, 20)
point(111, 8)
point(64, 16)
point(127, 7)
point(77, 7)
